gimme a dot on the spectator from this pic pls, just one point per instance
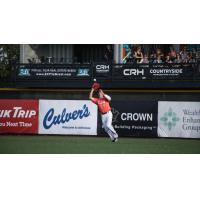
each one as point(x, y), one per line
point(159, 53)
point(158, 60)
point(184, 55)
point(129, 57)
point(194, 54)
point(42, 59)
point(126, 51)
point(168, 59)
point(33, 60)
point(108, 55)
point(178, 59)
point(138, 55)
point(152, 57)
point(172, 54)
point(198, 55)
point(145, 59)
point(158, 57)
point(191, 59)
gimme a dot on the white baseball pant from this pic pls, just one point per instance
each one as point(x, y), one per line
point(107, 125)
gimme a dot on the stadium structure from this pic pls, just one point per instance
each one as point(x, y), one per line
point(154, 89)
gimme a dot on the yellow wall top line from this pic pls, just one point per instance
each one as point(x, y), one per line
point(108, 90)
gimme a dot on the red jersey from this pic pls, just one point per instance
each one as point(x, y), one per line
point(103, 104)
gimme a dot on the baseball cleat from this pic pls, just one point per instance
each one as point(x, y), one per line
point(115, 140)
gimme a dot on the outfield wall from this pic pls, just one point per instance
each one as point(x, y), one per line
point(148, 114)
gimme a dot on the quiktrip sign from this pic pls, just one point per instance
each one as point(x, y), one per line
point(19, 116)
point(67, 117)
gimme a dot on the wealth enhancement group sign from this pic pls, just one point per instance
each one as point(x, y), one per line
point(179, 119)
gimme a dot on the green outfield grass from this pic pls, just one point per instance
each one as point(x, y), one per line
point(74, 144)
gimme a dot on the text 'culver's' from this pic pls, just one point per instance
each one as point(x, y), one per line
point(51, 118)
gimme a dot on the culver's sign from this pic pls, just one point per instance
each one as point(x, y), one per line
point(67, 117)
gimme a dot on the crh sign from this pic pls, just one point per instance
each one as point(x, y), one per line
point(102, 68)
point(133, 72)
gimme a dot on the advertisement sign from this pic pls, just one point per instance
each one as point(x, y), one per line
point(171, 71)
point(102, 70)
point(53, 71)
point(128, 72)
point(153, 71)
point(179, 119)
point(67, 117)
point(19, 116)
point(166, 75)
point(132, 118)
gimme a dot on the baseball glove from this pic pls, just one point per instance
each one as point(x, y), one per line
point(96, 86)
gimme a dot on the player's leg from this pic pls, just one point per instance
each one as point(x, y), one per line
point(110, 133)
point(104, 122)
point(109, 124)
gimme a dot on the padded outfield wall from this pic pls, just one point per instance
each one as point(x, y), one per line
point(136, 113)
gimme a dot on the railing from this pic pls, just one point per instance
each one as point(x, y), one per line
point(53, 60)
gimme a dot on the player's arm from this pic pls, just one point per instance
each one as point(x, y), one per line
point(91, 95)
point(106, 96)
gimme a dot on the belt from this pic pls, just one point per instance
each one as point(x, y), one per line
point(105, 113)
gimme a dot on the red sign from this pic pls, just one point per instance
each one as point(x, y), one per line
point(19, 116)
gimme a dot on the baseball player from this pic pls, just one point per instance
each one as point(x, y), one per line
point(103, 103)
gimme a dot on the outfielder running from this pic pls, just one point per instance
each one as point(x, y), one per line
point(103, 103)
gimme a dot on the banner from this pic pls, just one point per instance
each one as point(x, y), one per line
point(19, 116)
point(102, 70)
point(179, 119)
point(132, 118)
point(129, 72)
point(165, 71)
point(67, 117)
point(117, 76)
point(171, 71)
point(57, 72)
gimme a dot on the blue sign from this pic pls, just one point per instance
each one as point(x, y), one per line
point(83, 72)
point(50, 119)
point(24, 72)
